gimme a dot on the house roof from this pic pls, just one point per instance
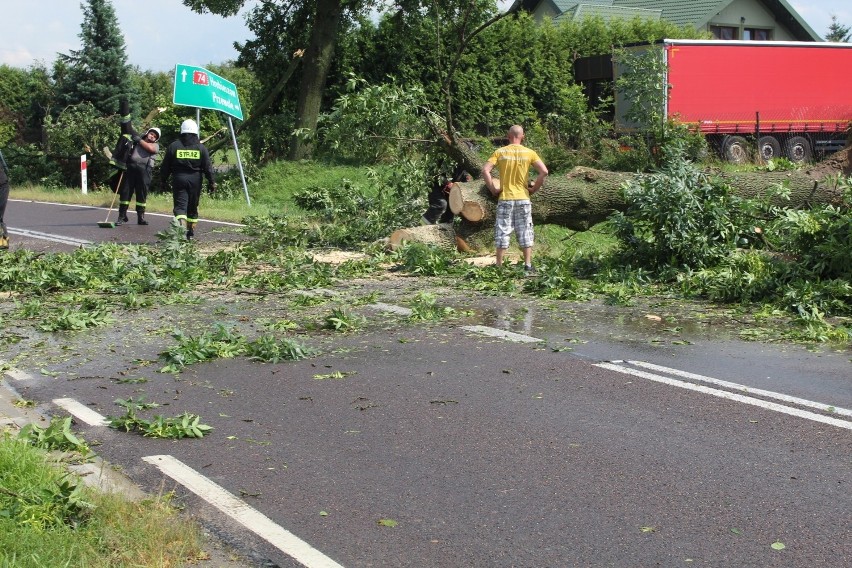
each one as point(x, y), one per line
point(605, 10)
point(680, 12)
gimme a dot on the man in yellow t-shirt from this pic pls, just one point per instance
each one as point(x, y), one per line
point(514, 210)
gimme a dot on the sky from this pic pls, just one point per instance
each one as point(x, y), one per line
point(158, 34)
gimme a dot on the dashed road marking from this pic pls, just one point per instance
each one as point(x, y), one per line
point(619, 367)
point(240, 511)
point(19, 375)
point(391, 309)
point(502, 334)
point(80, 412)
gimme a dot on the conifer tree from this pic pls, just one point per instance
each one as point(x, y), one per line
point(837, 31)
point(98, 73)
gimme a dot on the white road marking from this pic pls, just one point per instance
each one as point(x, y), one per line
point(728, 395)
point(391, 308)
point(240, 511)
point(501, 333)
point(19, 375)
point(768, 394)
point(103, 208)
point(81, 412)
point(49, 237)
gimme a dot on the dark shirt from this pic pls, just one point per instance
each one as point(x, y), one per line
point(187, 155)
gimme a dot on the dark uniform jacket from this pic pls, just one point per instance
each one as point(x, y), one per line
point(187, 156)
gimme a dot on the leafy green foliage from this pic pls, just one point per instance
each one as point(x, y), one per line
point(224, 343)
point(347, 215)
point(221, 342)
point(185, 425)
point(341, 319)
point(56, 436)
point(425, 260)
point(371, 123)
point(78, 126)
point(269, 349)
point(677, 217)
point(424, 307)
point(92, 313)
point(556, 280)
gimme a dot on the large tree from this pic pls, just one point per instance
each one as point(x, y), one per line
point(324, 19)
point(98, 73)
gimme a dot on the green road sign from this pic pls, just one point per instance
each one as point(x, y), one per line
point(198, 87)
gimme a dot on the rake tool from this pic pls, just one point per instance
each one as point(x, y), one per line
point(107, 224)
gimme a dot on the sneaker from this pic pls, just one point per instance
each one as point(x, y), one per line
point(529, 270)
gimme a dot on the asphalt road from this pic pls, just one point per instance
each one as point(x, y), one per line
point(61, 227)
point(596, 436)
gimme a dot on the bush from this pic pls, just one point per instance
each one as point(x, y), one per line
point(677, 217)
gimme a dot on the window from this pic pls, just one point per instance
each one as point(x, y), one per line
point(724, 32)
point(755, 34)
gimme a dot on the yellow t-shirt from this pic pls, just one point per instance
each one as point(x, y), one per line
point(513, 162)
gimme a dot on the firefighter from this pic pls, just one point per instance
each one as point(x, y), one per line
point(134, 158)
point(186, 161)
point(140, 164)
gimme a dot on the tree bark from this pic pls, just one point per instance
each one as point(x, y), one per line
point(317, 63)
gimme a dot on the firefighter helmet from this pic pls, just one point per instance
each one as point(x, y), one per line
point(188, 126)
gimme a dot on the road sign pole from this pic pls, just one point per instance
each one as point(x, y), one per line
point(239, 160)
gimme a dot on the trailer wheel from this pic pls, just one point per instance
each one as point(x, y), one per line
point(736, 150)
point(799, 149)
point(768, 148)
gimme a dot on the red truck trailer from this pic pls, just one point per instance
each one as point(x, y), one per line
point(778, 98)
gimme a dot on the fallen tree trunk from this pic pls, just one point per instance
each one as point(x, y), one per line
point(585, 196)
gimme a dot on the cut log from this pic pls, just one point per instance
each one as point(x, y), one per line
point(473, 200)
point(441, 235)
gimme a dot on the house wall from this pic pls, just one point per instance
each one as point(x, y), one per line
point(546, 10)
point(756, 16)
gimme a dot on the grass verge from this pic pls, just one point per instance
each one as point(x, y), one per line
point(48, 518)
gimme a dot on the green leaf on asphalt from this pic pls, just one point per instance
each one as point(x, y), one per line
point(386, 522)
point(334, 375)
point(648, 529)
point(737, 531)
point(323, 513)
point(777, 545)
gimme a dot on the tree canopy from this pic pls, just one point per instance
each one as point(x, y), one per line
point(98, 73)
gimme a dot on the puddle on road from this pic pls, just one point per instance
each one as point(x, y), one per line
point(595, 320)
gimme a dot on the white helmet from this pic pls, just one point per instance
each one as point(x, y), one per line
point(155, 131)
point(188, 126)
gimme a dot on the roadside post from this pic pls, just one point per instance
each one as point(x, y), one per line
point(84, 181)
point(197, 87)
